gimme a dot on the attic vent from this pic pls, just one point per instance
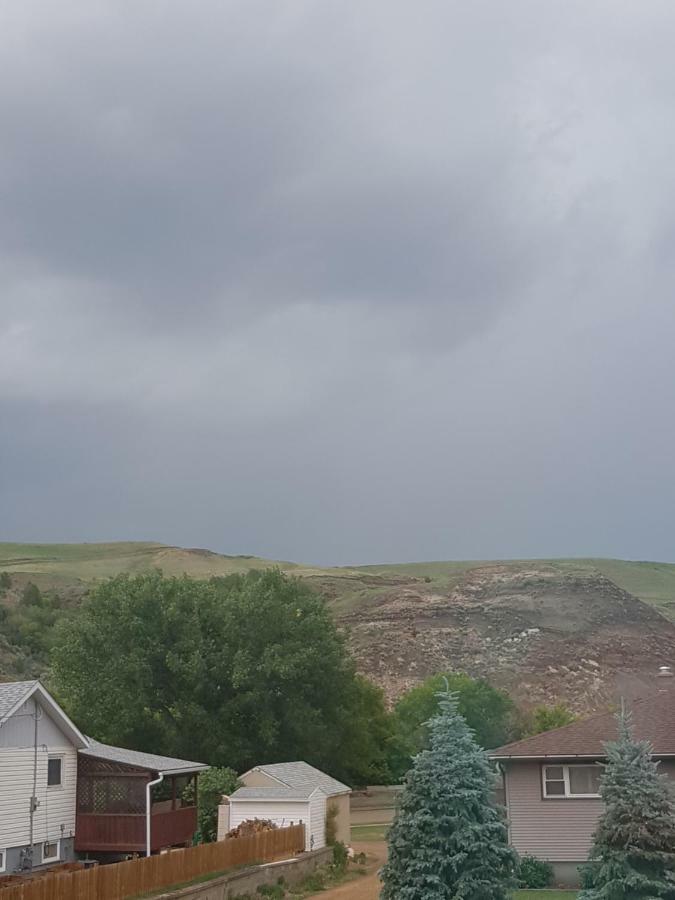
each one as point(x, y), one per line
point(665, 672)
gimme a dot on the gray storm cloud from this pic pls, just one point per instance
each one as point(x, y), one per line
point(339, 283)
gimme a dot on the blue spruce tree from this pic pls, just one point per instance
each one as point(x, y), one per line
point(449, 839)
point(634, 843)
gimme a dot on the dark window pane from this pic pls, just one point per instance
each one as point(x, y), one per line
point(554, 773)
point(555, 788)
point(54, 772)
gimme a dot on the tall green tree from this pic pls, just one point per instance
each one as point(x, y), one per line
point(448, 840)
point(232, 672)
point(544, 718)
point(489, 712)
point(634, 844)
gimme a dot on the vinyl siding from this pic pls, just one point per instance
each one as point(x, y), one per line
point(343, 820)
point(56, 805)
point(259, 779)
point(317, 820)
point(55, 815)
point(557, 830)
point(284, 813)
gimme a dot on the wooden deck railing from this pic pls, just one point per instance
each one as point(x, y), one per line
point(138, 876)
point(99, 832)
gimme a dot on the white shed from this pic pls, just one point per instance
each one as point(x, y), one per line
point(282, 805)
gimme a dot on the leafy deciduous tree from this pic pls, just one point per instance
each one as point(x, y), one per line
point(231, 671)
point(488, 711)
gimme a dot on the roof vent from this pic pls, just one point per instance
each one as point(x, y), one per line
point(665, 672)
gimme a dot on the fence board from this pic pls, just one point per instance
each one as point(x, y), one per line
point(128, 879)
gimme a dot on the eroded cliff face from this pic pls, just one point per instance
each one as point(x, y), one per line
point(543, 635)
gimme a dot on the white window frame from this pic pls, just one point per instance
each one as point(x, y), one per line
point(59, 786)
point(3, 859)
point(50, 859)
point(568, 795)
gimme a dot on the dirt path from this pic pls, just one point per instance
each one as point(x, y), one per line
point(367, 887)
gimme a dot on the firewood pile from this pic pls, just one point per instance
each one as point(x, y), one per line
point(251, 826)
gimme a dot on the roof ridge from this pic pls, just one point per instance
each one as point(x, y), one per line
point(576, 723)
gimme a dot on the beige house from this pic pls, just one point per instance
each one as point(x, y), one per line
point(289, 792)
point(551, 781)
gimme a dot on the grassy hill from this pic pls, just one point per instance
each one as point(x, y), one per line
point(63, 566)
point(557, 628)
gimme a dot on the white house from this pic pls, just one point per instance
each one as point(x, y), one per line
point(38, 778)
point(289, 793)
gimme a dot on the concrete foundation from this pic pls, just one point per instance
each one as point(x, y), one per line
point(566, 874)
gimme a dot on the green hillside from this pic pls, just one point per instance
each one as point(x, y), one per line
point(63, 572)
point(59, 566)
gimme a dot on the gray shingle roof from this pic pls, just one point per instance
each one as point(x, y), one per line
point(271, 793)
point(301, 777)
point(151, 761)
point(12, 693)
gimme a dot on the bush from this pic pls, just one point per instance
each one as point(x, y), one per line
point(587, 874)
point(331, 823)
point(5, 581)
point(534, 873)
point(339, 858)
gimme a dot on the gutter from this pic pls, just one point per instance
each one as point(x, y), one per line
point(148, 811)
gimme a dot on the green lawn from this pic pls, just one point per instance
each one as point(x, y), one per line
point(369, 832)
point(545, 895)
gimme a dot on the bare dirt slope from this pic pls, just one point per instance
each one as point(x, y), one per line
point(579, 631)
point(543, 634)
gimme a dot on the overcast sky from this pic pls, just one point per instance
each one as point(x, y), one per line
point(339, 282)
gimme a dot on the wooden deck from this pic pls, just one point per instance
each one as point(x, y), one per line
point(125, 833)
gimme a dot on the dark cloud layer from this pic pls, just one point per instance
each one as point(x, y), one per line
point(339, 283)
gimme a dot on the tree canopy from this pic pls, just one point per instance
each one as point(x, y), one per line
point(230, 672)
point(544, 718)
point(489, 712)
point(633, 852)
point(448, 840)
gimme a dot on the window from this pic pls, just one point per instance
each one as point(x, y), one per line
point(571, 781)
point(3, 860)
point(54, 771)
point(51, 851)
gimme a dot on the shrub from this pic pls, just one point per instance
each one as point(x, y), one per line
point(5, 581)
point(339, 858)
point(331, 823)
point(277, 891)
point(534, 873)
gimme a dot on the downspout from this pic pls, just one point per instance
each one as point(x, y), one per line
point(148, 811)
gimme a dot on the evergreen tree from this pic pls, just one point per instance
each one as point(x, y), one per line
point(448, 840)
point(634, 843)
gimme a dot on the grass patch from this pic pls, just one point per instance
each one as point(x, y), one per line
point(545, 895)
point(370, 832)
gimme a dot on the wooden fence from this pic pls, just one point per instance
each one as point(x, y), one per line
point(138, 876)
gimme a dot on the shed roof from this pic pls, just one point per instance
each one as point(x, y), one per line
point(653, 720)
point(167, 765)
point(301, 777)
point(273, 794)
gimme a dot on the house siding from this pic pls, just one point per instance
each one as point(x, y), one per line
point(557, 830)
point(343, 825)
point(259, 779)
point(317, 821)
point(54, 817)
